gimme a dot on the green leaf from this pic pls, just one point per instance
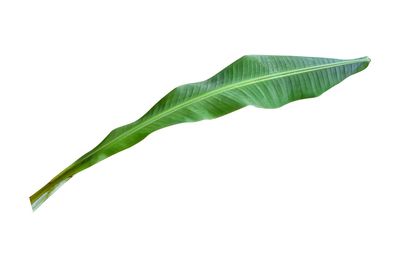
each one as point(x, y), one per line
point(261, 81)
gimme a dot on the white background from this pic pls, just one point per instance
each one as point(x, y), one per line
point(315, 183)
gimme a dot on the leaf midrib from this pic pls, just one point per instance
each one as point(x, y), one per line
point(224, 89)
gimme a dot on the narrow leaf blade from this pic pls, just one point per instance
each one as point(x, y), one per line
point(261, 81)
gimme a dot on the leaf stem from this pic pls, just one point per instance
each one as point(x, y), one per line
point(46, 191)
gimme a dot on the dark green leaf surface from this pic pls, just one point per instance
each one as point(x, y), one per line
point(261, 81)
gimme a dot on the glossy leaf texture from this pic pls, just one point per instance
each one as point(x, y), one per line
point(261, 81)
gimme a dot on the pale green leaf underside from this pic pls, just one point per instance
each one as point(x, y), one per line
point(261, 81)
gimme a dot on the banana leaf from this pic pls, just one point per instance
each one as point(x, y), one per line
point(257, 80)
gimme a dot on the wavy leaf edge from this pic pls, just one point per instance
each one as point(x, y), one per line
point(115, 141)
